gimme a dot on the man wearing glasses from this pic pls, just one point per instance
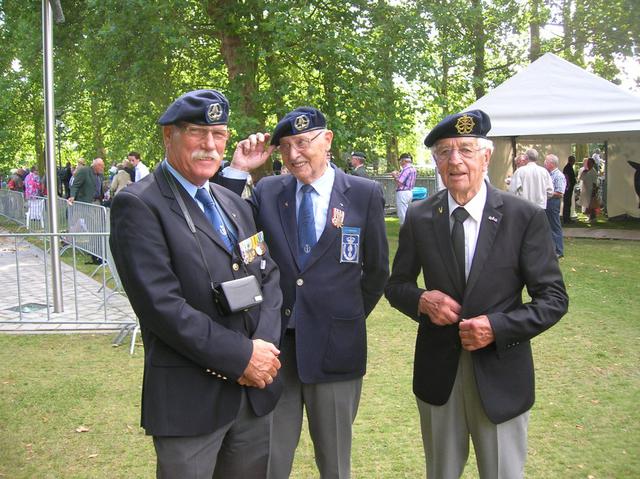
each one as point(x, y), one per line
point(325, 230)
point(210, 376)
point(477, 248)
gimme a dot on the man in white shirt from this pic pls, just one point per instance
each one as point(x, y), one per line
point(139, 167)
point(532, 181)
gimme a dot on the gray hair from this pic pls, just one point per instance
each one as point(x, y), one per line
point(553, 159)
point(532, 154)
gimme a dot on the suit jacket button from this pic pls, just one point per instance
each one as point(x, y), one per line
point(287, 312)
point(300, 281)
point(235, 267)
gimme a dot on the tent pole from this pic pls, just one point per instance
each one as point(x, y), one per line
point(606, 177)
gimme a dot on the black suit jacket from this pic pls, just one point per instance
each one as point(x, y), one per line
point(514, 250)
point(193, 355)
point(332, 299)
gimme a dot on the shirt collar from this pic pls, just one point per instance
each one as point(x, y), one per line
point(475, 206)
point(186, 184)
point(322, 185)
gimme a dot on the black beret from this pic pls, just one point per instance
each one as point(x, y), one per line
point(202, 107)
point(300, 120)
point(359, 154)
point(468, 123)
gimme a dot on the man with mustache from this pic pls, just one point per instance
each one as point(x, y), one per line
point(477, 248)
point(210, 373)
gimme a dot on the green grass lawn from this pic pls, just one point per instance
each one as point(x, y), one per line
point(585, 423)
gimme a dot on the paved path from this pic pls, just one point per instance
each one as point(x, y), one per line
point(633, 235)
point(31, 297)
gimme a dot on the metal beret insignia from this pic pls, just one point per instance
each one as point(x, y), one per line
point(301, 122)
point(465, 125)
point(214, 112)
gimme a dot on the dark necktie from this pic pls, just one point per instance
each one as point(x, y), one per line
point(306, 225)
point(457, 238)
point(204, 197)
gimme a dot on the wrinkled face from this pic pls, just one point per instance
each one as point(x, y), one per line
point(98, 167)
point(462, 165)
point(195, 151)
point(305, 155)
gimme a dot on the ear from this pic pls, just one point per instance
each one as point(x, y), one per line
point(328, 138)
point(167, 131)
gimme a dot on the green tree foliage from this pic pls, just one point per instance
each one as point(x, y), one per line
point(376, 68)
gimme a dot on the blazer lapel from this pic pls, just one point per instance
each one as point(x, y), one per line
point(287, 207)
point(491, 218)
point(338, 200)
point(443, 240)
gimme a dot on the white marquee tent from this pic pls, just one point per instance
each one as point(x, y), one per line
point(553, 104)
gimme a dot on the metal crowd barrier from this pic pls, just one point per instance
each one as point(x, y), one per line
point(12, 206)
point(25, 304)
point(85, 218)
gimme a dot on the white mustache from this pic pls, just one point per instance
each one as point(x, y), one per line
point(200, 154)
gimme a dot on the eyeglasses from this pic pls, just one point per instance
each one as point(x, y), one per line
point(465, 152)
point(201, 132)
point(300, 144)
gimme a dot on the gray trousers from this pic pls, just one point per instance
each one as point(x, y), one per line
point(331, 409)
point(238, 450)
point(501, 449)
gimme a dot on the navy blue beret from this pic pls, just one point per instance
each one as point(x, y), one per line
point(468, 123)
point(202, 107)
point(300, 120)
point(359, 154)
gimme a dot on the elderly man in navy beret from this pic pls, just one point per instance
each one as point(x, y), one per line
point(210, 371)
point(326, 232)
point(477, 248)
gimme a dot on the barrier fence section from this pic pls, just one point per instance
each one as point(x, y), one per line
point(12, 206)
point(388, 184)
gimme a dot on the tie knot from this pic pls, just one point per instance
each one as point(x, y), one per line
point(307, 189)
point(203, 196)
point(460, 214)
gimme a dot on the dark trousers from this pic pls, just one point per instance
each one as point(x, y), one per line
point(566, 205)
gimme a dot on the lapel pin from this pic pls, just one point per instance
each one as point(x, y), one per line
point(493, 218)
point(337, 217)
point(440, 210)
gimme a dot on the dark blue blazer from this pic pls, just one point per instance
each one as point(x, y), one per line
point(514, 251)
point(193, 355)
point(331, 299)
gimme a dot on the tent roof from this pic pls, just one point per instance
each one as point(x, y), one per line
point(553, 96)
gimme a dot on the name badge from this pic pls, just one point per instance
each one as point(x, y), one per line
point(350, 245)
point(252, 247)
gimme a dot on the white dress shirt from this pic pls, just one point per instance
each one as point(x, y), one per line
point(471, 226)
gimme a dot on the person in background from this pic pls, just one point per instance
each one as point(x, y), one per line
point(87, 183)
point(139, 168)
point(121, 179)
point(356, 163)
point(531, 181)
point(32, 184)
point(570, 179)
point(588, 178)
point(477, 248)
point(277, 166)
point(553, 202)
point(405, 181)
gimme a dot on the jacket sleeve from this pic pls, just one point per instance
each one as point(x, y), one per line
point(375, 267)
point(145, 263)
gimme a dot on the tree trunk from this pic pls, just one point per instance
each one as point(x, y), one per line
point(534, 31)
point(479, 40)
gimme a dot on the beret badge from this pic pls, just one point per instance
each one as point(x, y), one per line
point(301, 122)
point(465, 125)
point(214, 112)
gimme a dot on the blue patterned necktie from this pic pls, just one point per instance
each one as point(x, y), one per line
point(306, 225)
point(204, 197)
